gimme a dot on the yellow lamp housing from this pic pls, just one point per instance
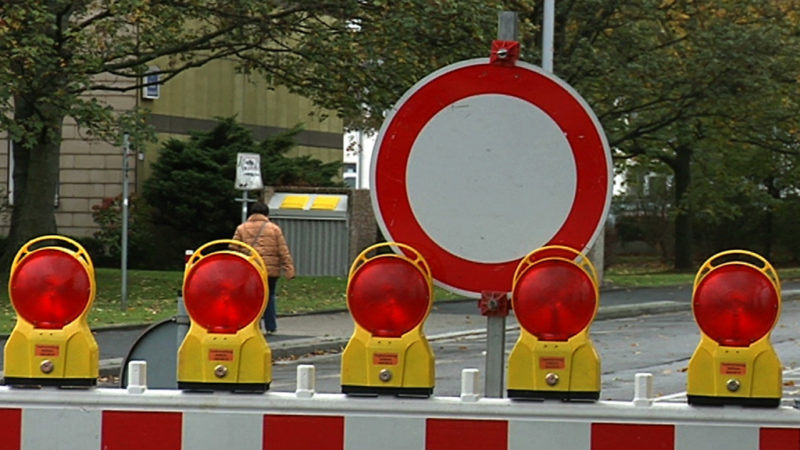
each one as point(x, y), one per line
point(555, 298)
point(736, 301)
point(51, 287)
point(389, 296)
point(225, 291)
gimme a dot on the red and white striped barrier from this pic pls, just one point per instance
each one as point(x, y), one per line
point(137, 418)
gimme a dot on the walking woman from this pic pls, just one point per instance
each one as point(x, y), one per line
point(267, 239)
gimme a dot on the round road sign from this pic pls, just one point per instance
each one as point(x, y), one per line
point(478, 164)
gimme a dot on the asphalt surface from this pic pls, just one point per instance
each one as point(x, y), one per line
point(313, 333)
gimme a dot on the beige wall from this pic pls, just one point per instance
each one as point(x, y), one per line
point(193, 100)
point(92, 170)
point(217, 90)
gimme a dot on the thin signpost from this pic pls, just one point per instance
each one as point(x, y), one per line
point(124, 256)
point(248, 177)
point(507, 30)
point(496, 323)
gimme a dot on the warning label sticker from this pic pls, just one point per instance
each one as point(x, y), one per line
point(733, 369)
point(552, 363)
point(384, 359)
point(47, 350)
point(220, 355)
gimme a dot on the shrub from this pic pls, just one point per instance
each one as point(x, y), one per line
point(191, 189)
point(107, 250)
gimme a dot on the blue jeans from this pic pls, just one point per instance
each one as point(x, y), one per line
point(270, 314)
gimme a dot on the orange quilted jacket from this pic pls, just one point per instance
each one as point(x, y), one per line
point(267, 239)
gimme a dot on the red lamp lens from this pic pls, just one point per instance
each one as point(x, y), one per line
point(735, 305)
point(388, 296)
point(50, 288)
point(554, 300)
point(223, 293)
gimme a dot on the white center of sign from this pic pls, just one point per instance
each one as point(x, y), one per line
point(490, 178)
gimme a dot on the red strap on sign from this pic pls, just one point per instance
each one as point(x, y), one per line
point(494, 304)
point(505, 53)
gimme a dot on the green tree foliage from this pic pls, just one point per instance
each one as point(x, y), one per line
point(141, 245)
point(682, 83)
point(672, 81)
point(383, 49)
point(643, 209)
point(347, 55)
point(191, 190)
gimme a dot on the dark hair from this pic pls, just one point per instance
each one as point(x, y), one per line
point(259, 208)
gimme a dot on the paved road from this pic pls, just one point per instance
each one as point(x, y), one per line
point(659, 344)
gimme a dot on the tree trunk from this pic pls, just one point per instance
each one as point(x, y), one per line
point(684, 243)
point(36, 166)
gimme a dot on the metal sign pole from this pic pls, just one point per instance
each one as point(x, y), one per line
point(124, 244)
point(248, 177)
point(244, 206)
point(496, 323)
point(548, 25)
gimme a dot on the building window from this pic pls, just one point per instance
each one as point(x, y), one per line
point(152, 86)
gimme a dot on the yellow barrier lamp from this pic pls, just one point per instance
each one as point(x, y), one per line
point(736, 302)
point(51, 288)
point(389, 296)
point(554, 297)
point(225, 293)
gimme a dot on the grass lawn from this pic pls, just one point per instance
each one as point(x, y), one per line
point(640, 272)
point(152, 296)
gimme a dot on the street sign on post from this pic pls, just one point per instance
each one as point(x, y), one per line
point(248, 172)
point(248, 177)
point(480, 163)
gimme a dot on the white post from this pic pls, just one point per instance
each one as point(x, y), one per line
point(643, 390)
point(137, 377)
point(470, 381)
point(306, 381)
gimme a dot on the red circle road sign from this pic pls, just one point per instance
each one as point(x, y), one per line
point(478, 164)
